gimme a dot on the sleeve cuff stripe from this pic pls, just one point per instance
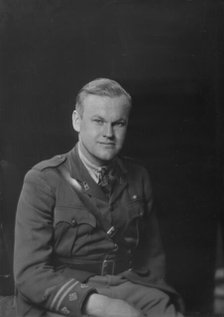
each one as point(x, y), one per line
point(65, 294)
point(60, 291)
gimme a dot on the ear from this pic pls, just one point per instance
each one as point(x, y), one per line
point(76, 121)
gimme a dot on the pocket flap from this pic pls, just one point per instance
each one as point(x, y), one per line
point(73, 215)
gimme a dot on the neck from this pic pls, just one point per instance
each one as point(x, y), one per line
point(85, 154)
point(84, 157)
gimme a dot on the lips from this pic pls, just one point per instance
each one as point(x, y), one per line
point(103, 143)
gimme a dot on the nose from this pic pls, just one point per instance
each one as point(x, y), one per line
point(108, 130)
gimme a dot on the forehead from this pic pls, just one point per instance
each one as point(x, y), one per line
point(105, 105)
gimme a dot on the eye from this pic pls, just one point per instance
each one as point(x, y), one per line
point(98, 121)
point(120, 124)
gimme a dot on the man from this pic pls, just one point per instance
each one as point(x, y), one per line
point(87, 239)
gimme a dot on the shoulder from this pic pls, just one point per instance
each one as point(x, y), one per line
point(135, 171)
point(53, 162)
point(137, 176)
point(46, 171)
point(132, 166)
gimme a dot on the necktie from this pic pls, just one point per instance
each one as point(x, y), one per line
point(106, 180)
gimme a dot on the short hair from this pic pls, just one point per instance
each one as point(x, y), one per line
point(100, 87)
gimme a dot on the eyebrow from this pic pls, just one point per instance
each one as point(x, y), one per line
point(95, 116)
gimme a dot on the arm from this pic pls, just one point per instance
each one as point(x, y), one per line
point(35, 276)
point(149, 255)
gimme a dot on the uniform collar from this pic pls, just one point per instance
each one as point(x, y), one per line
point(79, 172)
point(93, 169)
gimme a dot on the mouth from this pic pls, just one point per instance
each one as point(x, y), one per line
point(107, 143)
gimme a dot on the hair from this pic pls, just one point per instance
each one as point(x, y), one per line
point(100, 87)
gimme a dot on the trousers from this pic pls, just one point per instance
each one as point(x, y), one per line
point(150, 301)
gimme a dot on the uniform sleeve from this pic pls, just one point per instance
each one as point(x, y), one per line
point(149, 256)
point(35, 276)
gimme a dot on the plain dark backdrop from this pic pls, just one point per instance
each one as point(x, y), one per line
point(169, 56)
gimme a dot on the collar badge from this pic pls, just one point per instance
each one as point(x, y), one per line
point(86, 186)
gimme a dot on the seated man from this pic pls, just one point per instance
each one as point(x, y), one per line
point(87, 239)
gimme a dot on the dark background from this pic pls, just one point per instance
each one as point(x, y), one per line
point(170, 56)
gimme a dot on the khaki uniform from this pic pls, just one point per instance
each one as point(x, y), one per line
point(64, 236)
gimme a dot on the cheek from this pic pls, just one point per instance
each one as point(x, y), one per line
point(121, 135)
point(88, 131)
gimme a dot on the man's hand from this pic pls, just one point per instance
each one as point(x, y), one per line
point(102, 306)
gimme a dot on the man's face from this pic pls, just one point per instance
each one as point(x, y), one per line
point(102, 127)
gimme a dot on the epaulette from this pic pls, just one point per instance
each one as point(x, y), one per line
point(55, 161)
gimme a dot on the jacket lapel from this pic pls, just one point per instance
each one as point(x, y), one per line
point(80, 173)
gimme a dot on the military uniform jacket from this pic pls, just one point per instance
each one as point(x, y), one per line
point(60, 242)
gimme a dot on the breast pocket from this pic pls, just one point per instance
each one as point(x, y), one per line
point(72, 227)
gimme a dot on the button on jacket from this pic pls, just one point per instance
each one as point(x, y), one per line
point(65, 234)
